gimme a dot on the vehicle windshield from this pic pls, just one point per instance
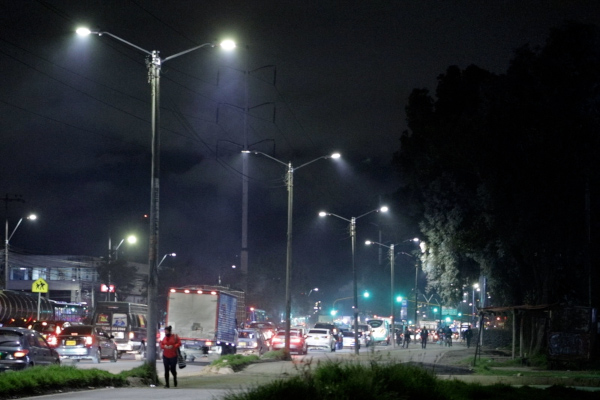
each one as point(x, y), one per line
point(78, 330)
point(319, 331)
point(375, 324)
point(44, 327)
point(247, 335)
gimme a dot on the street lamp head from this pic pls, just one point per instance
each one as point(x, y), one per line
point(368, 242)
point(32, 217)
point(228, 44)
point(173, 254)
point(335, 156)
point(384, 209)
point(323, 214)
point(131, 239)
point(83, 31)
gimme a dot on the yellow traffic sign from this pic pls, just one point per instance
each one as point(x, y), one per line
point(39, 286)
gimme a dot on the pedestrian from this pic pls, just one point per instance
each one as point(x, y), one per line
point(398, 337)
point(448, 335)
point(424, 336)
point(170, 347)
point(468, 336)
point(406, 337)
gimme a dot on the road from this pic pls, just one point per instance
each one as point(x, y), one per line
point(194, 385)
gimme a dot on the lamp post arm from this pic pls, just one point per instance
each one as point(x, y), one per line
point(188, 51)
point(310, 162)
point(335, 215)
point(268, 156)
point(100, 33)
point(14, 230)
point(372, 211)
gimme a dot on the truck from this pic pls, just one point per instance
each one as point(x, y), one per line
point(204, 320)
point(127, 322)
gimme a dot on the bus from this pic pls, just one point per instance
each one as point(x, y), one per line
point(126, 322)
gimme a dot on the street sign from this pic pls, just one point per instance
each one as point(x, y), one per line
point(39, 286)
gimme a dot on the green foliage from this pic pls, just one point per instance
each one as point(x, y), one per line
point(145, 371)
point(275, 355)
point(41, 380)
point(495, 168)
point(237, 362)
point(333, 380)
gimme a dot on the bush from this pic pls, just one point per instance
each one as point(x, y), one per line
point(237, 362)
point(41, 380)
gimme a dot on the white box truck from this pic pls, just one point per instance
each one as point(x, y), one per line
point(203, 320)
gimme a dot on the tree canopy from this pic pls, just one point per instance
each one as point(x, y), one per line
point(500, 172)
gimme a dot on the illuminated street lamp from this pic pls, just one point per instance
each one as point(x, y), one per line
point(352, 222)
point(7, 238)
point(165, 256)
point(154, 66)
point(313, 290)
point(289, 180)
point(131, 239)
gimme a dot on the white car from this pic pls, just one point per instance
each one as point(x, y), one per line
point(320, 339)
point(348, 337)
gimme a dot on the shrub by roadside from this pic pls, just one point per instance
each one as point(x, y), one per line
point(44, 380)
point(391, 381)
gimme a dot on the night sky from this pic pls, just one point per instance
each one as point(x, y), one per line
point(324, 76)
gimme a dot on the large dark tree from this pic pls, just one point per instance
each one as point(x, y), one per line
point(499, 169)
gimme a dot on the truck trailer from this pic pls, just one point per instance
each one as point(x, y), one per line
point(203, 320)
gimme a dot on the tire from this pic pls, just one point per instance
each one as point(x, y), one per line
point(97, 357)
point(115, 356)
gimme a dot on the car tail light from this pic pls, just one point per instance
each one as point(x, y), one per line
point(89, 340)
point(20, 353)
point(52, 340)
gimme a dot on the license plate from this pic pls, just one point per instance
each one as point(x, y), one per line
point(70, 343)
point(242, 344)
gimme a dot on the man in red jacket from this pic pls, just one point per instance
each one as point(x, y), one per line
point(169, 346)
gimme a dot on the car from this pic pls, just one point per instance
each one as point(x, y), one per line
point(367, 338)
point(51, 329)
point(268, 329)
point(297, 342)
point(81, 342)
point(320, 338)
point(252, 341)
point(22, 348)
point(348, 339)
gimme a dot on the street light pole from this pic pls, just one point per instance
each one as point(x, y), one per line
point(352, 222)
point(392, 299)
point(288, 262)
point(6, 240)
point(154, 66)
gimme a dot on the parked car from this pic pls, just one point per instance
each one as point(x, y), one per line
point(348, 339)
point(297, 342)
point(252, 341)
point(320, 338)
point(80, 342)
point(22, 348)
point(51, 329)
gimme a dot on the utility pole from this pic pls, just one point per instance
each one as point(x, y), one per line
point(7, 199)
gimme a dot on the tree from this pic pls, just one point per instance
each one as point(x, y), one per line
point(120, 274)
point(495, 170)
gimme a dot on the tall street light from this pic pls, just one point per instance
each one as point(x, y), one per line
point(352, 222)
point(7, 238)
point(131, 239)
point(154, 65)
point(165, 256)
point(392, 299)
point(288, 263)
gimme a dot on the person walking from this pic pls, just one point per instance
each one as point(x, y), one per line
point(468, 336)
point(406, 341)
point(424, 336)
point(170, 347)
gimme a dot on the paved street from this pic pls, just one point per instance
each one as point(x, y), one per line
point(216, 386)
